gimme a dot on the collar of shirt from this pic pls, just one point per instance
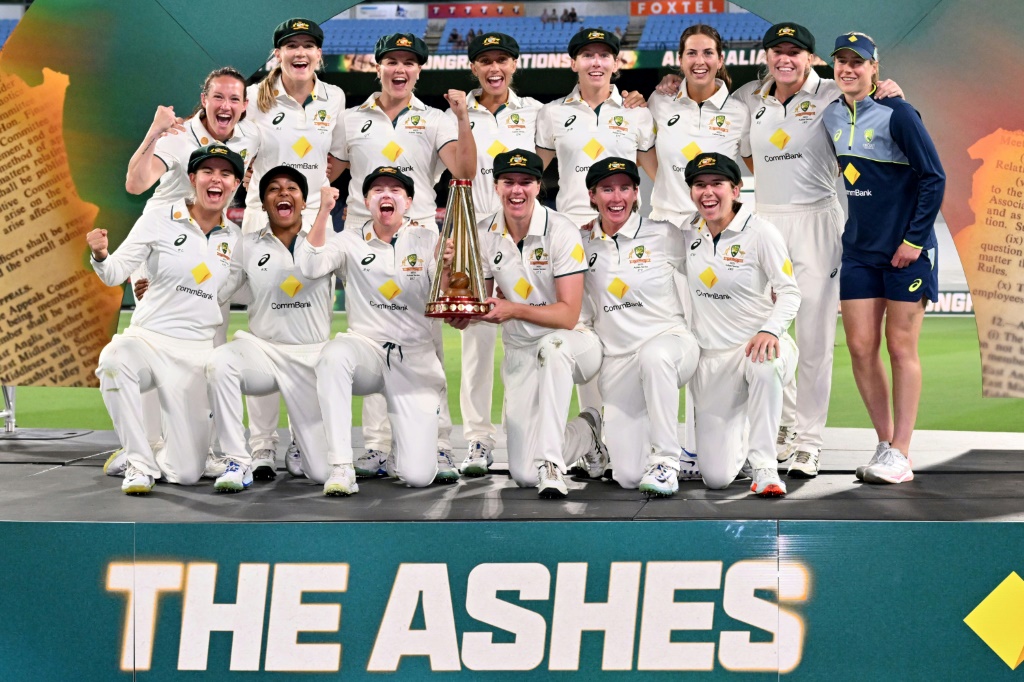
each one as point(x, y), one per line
point(179, 213)
point(265, 231)
point(631, 228)
point(810, 85)
point(369, 234)
point(319, 91)
point(575, 98)
point(200, 133)
point(538, 222)
point(371, 103)
point(717, 99)
point(514, 100)
point(863, 104)
point(738, 223)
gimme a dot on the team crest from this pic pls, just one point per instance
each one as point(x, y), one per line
point(869, 135)
point(403, 42)
point(616, 165)
point(617, 123)
point(786, 31)
point(720, 120)
point(517, 160)
point(538, 253)
point(411, 259)
point(706, 161)
point(734, 250)
point(299, 26)
point(639, 251)
point(492, 40)
point(322, 115)
point(415, 120)
point(595, 35)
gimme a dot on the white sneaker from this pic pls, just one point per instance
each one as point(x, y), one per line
point(215, 465)
point(879, 449)
point(293, 460)
point(263, 464)
point(391, 466)
point(446, 472)
point(594, 463)
point(550, 484)
point(784, 443)
point(767, 483)
point(689, 467)
point(660, 481)
point(342, 481)
point(804, 464)
point(135, 482)
point(235, 478)
point(116, 463)
point(478, 461)
point(371, 464)
point(892, 467)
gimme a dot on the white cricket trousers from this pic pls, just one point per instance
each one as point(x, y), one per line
point(255, 367)
point(813, 235)
point(731, 392)
point(411, 380)
point(538, 388)
point(137, 361)
point(641, 404)
point(377, 428)
point(476, 391)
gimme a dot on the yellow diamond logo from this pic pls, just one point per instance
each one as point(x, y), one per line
point(201, 273)
point(618, 288)
point(787, 267)
point(291, 286)
point(593, 149)
point(577, 254)
point(523, 288)
point(851, 174)
point(709, 278)
point(392, 151)
point(997, 620)
point(691, 151)
point(302, 147)
point(389, 289)
point(496, 148)
point(779, 138)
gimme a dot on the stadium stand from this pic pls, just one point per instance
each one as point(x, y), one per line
point(531, 34)
point(662, 33)
point(360, 37)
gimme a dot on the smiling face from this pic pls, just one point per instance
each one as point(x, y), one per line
point(595, 63)
point(614, 198)
point(518, 192)
point(854, 74)
point(398, 72)
point(714, 196)
point(214, 183)
point(494, 70)
point(299, 57)
point(224, 103)
point(788, 64)
point(387, 201)
point(700, 61)
point(283, 202)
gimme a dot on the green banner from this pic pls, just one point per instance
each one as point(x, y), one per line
point(506, 600)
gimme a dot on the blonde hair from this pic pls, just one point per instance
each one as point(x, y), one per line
point(265, 95)
point(874, 76)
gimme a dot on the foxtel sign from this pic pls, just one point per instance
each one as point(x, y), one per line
point(647, 608)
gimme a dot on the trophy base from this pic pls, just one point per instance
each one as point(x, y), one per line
point(457, 306)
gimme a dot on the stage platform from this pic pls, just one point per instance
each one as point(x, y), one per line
point(959, 476)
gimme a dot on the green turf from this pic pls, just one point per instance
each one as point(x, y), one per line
point(949, 353)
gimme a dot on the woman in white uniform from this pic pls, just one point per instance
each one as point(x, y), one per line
point(746, 356)
point(394, 127)
point(289, 324)
point(535, 257)
point(649, 352)
point(299, 117)
point(187, 249)
point(387, 265)
point(500, 120)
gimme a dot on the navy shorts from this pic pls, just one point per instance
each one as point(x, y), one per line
point(918, 280)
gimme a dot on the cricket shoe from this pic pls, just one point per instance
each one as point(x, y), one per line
point(689, 467)
point(805, 464)
point(235, 478)
point(766, 483)
point(215, 466)
point(784, 443)
point(879, 449)
point(660, 481)
point(446, 471)
point(293, 460)
point(371, 464)
point(342, 481)
point(892, 467)
point(550, 484)
point(391, 466)
point(116, 463)
point(594, 464)
point(263, 464)
point(478, 461)
point(135, 482)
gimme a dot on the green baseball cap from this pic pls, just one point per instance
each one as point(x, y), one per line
point(493, 41)
point(613, 165)
point(406, 42)
point(518, 161)
point(712, 163)
point(216, 151)
point(297, 27)
point(788, 33)
point(586, 36)
point(388, 172)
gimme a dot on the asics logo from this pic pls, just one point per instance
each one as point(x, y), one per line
point(915, 285)
point(760, 113)
point(278, 118)
point(593, 259)
point(694, 245)
point(366, 126)
point(497, 259)
point(833, 273)
point(672, 121)
point(180, 240)
point(368, 259)
point(263, 261)
point(570, 120)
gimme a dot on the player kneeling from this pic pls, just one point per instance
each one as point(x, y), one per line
point(649, 352)
point(289, 324)
point(746, 356)
point(387, 265)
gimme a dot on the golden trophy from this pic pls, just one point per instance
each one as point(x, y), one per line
point(465, 294)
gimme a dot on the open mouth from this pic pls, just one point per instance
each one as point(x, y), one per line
point(285, 209)
point(516, 201)
point(700, 71)
point(399, 81)
point(387, 208)
point(496, 81)
point(300, 65)
point(617, 210)
point(709, 204)
point(214, 194)
point(223, 120)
